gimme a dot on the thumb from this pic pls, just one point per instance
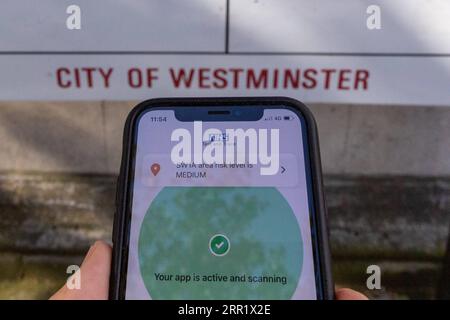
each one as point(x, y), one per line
point(94, 276)
point(349, 294)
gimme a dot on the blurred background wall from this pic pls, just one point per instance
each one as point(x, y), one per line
point(387, 181)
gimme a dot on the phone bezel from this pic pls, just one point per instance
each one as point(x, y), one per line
point(122, 219)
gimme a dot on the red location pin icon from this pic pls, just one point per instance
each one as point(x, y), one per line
point(155, 168)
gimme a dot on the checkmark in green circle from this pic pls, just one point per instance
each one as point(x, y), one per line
point(219, 245)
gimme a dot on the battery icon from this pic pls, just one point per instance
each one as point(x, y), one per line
point(288, 118)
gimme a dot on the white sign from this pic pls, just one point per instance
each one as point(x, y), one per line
point(348, 51)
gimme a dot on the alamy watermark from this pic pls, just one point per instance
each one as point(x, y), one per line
point(74, 280)
point(73, 21)
point(233, 146)
point(374, 280)
point(373, 21)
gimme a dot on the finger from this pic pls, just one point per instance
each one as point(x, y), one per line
point(349, 294)
point(94, 275)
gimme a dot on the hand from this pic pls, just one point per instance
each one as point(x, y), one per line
point(349, 294)
point(95, 278)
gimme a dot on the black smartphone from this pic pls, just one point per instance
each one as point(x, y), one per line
point(220, 198)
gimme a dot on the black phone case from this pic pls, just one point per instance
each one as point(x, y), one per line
point(120, 236)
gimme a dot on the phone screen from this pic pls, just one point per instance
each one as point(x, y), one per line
point(221, 230)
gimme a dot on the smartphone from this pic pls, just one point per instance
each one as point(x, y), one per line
point(220, 198)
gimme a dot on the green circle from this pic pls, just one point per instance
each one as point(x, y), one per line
point(219, 245)
point(174, 249)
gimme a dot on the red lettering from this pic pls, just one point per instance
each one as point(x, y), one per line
point(275, 79)
point(328, 73)
point(77, 78)
point(151, 76)
point(362, 77)
point(236, 73)
point(290, 80)
point(135, 78)
point(202, 78)
point(343, 79)
point(180, 77)
point(220, 80)
point(105, 76)
point(256, 82)
point(312, 82)
point(88, 72)
point(59, 78)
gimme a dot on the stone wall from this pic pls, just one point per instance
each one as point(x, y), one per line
point(85, 137)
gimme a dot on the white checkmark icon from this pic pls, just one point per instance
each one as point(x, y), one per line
point(219, 245)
